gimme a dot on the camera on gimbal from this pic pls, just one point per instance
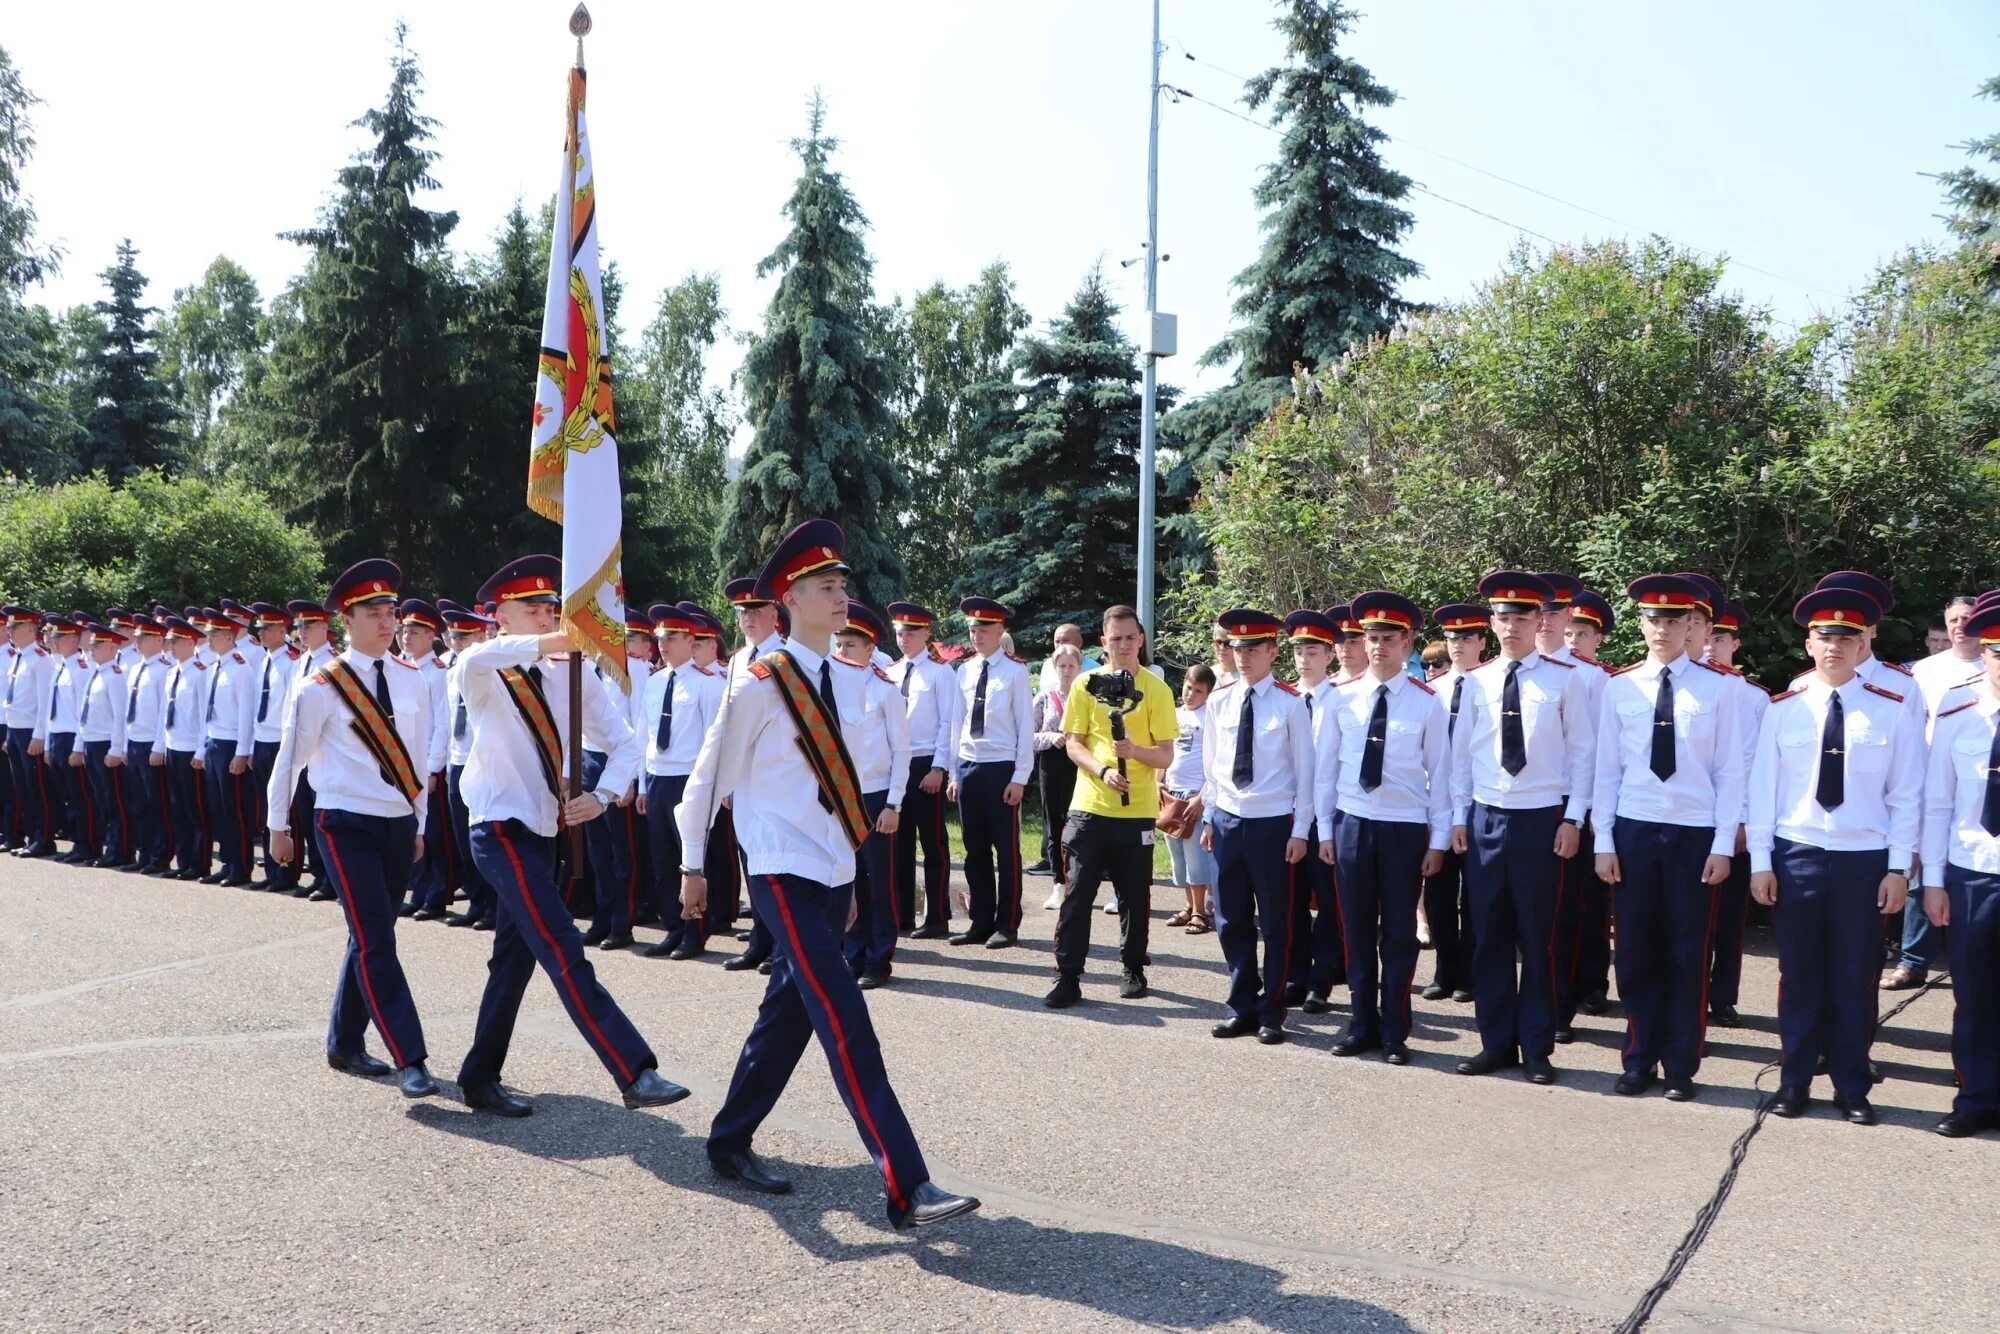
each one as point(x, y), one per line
point(1119, 693)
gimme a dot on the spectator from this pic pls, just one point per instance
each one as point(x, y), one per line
point(1056, 772)
point(1193, 867)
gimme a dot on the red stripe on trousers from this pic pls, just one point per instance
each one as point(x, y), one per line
point(562, 975)
point(360, 938)
point(846, 1066)
point(124, 821)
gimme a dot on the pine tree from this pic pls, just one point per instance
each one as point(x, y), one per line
point(817, 391)
point(1975, 199)
point(133, 423)
point(1062, 531)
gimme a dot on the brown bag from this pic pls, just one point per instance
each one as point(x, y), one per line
point(1179, 816)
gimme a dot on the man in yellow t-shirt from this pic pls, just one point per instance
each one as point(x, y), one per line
point(1118, 716)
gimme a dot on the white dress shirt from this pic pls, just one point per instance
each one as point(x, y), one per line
point(1955, 789)
point(1555, 724)
point(145, 699)
point(1281, 754)
point(319, 735)
point(65, 694)
point(101, 709)
point(1416, 758)
point(30, 673)
point(697, 699)
point(933, 702)
point(437, 746)
point(1009, 731)
point(1711, 766)
point(503, 772)
point(638, 672)
point(229, 710)
point(1752, 701)
point(277, 677)
point(181, 697)
point(1938, 674)
point(752, 753)
point(1888, 676)
point(457, 720)
point(876, 729)
point(1591, 674)
point(1882, 792)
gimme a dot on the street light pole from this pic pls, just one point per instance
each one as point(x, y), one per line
point(1149, 352)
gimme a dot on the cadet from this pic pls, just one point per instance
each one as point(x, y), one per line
point(1319, 947)
point(929, 690)
point(1834, 815)
point(1582, 901)
point(277, 677)
point(1589, 985)
point(229, 726)
point(146, 752)
point(77, 818)
point(990, 767)
point(680, 703)
point(1523, 741)
point(1447, 907)
point(778, 729)
point(724, 863)
point(315, 652)
point(1383, 796)
point(100, 736)
point(513, 785)
point(435, 877)
point(878, 741)
point(757, 620)
point(1257, 769)
point(463, 628)
point(1725, 974)
point(30, 676)
point(181, 696)
point(1670, 782)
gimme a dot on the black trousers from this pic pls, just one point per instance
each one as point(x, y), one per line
point(923, 823)
point(1094, 846)
point(1448, 909)
point(1056, 776)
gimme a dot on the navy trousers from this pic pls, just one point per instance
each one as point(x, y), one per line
point(533, 928)
point(1666, 926)
point(1448, 909)
point(477, 891)
point(923, 825)
point(305, 802)
point(871, 941)
point(1829, 951)
point(10, 804)
point(614, 855)
point(1319, 946)
point(1590, 966)
point(31, 781)
point(370, 856)
point(1513, 877)
point(151, 840)
point(111, 839)
point(1254, 894)
point(724, 866)
point(231, 809)
point(812, 994)
point(436, 875)
point(663, 795)
point(1573, 880)
point(1732, 911)
point(188, 807)
point(1381, 877)
point(70, 791)
point(992, 832)
point(1974, 942)
point(264, 759)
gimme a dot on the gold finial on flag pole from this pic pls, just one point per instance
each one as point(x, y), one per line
point(579, 23)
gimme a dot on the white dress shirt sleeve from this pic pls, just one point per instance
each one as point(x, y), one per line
point(1940, 803)
point(1761, 822)
point(1579, 734)
point(305, 715)
point(1024, 729)
point(1904, 793)
point(724, 759)
point(607, 727)
point(1298, 734)
point(1328, 714)
point(1437, 768)
point(944, 688)
point(898, 720)
point(1610, 764)
point(1470, 706)
point(1731, 770)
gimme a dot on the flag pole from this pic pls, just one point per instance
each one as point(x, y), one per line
point(579, 24)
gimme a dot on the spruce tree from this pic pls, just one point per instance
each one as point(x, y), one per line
point(1061, 533)
point(817, 391)
point(133, 423)
point(1975, 199)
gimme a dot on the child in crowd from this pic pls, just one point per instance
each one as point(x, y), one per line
point(1194, 868)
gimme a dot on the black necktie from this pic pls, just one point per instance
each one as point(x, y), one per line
point(753, 653)
point(55, 697)
point(1457, 694)
point(458, 721)
point(88, 686)
point(826, 683)
point(305, 664)
point(665, 735)
point(1663, 728)
point(1378, 735)
point(1513, 739)
point(13, 671)
point(382, 690)
point(132, 692)
point(978, 724)
point(1244, 770)
point(1832, 788)
point(1989, 816)
point(173, 691)
point(214, 681)
point(909, 670)
point(264, 699)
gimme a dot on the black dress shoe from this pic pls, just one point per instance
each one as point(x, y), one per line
point(74, 857)
point(1680, 1088)
point(688, 950)
point(406, 910)
point(1000, 940)
point(1461, 997)
point(1791, 1101)
point(320, 894)
point(1395, 1054)
point(1063, 994)
point(746, 1167)
point(1632, 1083)
point(416, 1081)
point(743, 936)
point(195, 877)
point(872, 981)
point(425, 915)
point(1593, 1003)
point(1540, 1071)
point(1235, 1026)
point(1724, 1016)
point(929, 932)
point(1434, 992)
point(1314, 1003)
point(621, 941)
point(658, 950)
point(930, 1204)
point(1354, 1044)
point(212, 878)
point(301, 892)
point(1270, 1036)
point(1565, 1035)
point(483, 924)
point(459, 919)
point(1487, 1062)
point(650, 1089)
point(237, 881)
point(132, 868)
point(969, 938)
point(743, 961)
point(1039, 868)
point(1958, 1125)
point(1133, 987)
point(1858, 1111)
point(597, 933)
point(162, 873)
point(492, 1098)
point(35, 850)
point(764, 968)
point(360, 1063)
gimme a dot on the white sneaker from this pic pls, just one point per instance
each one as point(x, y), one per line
point(1055, 902)
point(1112, 907)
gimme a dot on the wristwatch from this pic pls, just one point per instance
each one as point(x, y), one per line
point(897, 808)
point(694, 871)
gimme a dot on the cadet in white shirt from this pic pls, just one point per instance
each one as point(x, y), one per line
point(1670, 783)
point(1521, 773)
point(1725, 974)
point(1385, 809)
point(463, 627)
point(995, 750)
point(517, 696)
point(181, 696)
point(315, 652)
point(75, 815)
point(1257, 783)
point(930, 691)
point(436, 877)
point(24, 708)
point(1319, 947)
point(1447, 907)
point(1961, 847)
point(1583, 934)
point(100, 738)
point(878, 739)
point(758, 621)
point(680, 702)
point(145, 768)
point(229, 746)
point(277, 677)
point(1834, 815)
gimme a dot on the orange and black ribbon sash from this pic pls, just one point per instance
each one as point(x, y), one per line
point(526, 692)
point(820, 739)
point(376, 729)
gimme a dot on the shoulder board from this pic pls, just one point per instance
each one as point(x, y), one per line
point(1566, 666)
point(1719, 671)
point(116, 670)
point(884, 675)
point(198, 664)
point(436, 660)
point(857, 666)
point(760, 669)
point(239, 658)
point(41, 652)
point(1620, 671)
point(932, 651)
point(1726, 671)
point(1424, 686)
point(1956, 708)
point(1896, 667)
point(1872, 688)
point(699, 668)
point(400, 663)
point(1012, 658)
point(1285, 686)
point(291, 653)
point(1780, 698)
point(1587, 660)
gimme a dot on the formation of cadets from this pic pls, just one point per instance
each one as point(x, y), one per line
point(1534, 804)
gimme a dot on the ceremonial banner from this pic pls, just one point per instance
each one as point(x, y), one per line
point(573, 458)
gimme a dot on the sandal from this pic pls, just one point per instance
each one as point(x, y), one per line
point(1198, 924)
point(1180, 918)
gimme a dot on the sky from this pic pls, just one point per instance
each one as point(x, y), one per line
point(1792, 137)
